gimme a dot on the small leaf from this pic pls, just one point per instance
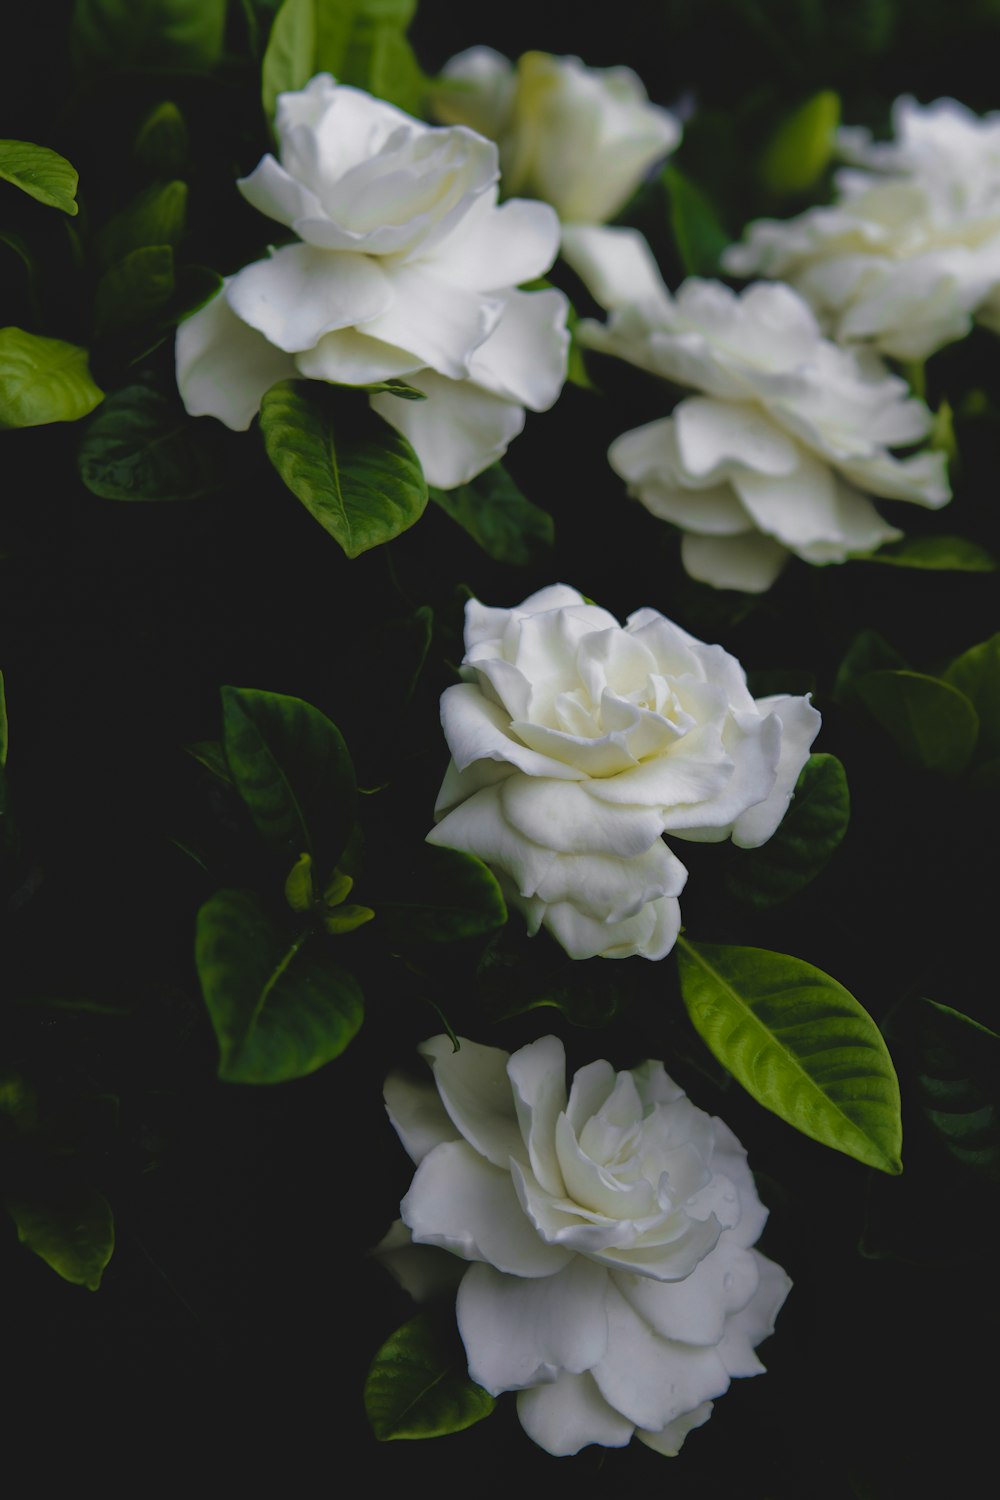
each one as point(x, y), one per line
point(799, 1043)
point(290, 55)
point(347, 919)
point(338, 889)
point(142, 446)
point(280, 1008)
point(113, 34)
point(932, 724)
point(802, 145)
point(299, 891)
point(698, 234)
point(134, 288)
point(41, 173)
point(440, 895)
point(43, 380)
point(161, 143)
point(351, 470)
point(293, 771)
point(418, 1385)
point(976, 674)
point(155, 217)
point(868, 652)
point(497, 516)
point(75, 1234)
point(940, 554)
point(810, 831)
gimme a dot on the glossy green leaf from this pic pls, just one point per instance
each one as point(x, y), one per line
point(162, 142)
point(976, 674)
point(391, 70)
point(939, 554)
point(810, 831)
point(114, 34)
point(210, 754)
point(958, 1077)
point(43, 380)
point(293, 772)
point(290, 55)
point(154, 217)
point(300, 892)
point(142, 446)
point(802, 145)
point(799, 1043)
point(41, 173)
point(360, 42)
point(438, 895)
point(346, 919)
point(347, 35)
point(698, 234)
point(134, 288)
point(280, 1006)
point(498, 517)
point(75, 1234)
point(418, 1385)
point(359, 477)
point(868, 652)
point(932, 724)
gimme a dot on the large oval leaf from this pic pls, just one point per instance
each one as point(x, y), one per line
point(438, 895)
point(802, 145)
point(41, 173)
point(932, 723)
point(290, 56)
point(357, 475)
point(418, 1385)
point(73, 1233)
point(294, 772)
point(280, 1007)
point(43, 380)
point(810, 831)
point(493, 511)
point(140, 446)
point(799, 1043)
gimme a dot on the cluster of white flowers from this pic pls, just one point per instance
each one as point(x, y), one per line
point(576, 744)
point(603, 1240)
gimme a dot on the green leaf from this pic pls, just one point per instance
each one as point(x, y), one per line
point(698, 234)
point(347, 919)
point(142, 446)
point(41, 173)
point(939, 554)
point(347, 34)
point(418, 1385)
point(361, 42)
point(119, 34)
point(293, 771)
point(357, 475)
point(958, 1073)
point(799, 1043)
point(299, 890)
point(801, 146)
point(154, 217)
point(810, 831)
point(391, 70)
point(132, 290)
point(280, 1007)
point(498, 517)
point(210, 754)
point(868, 652)
point(439, 895)
point(75, 1234)
point(976, 674)
point(161, 142)
point(43, 380)
point(932, 724)
point(290, 55)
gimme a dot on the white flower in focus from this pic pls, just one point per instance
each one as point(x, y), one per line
point(612, 1282)
point(788, 435)
point(577, 743)
point(909, 253)
point(403, 266)
point(580, 138)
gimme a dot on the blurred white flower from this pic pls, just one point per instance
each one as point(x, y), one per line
point(788, 435)
point(909, 253)
point(403, 266)
point(612, 1282)
point(580, 138)
point(577, 743)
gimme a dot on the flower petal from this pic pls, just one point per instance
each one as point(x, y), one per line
point(300, 293)
point(476, 1093)
point(615, 265)
point(800, 724)
point(524, 358)
point(694, 1310)
point(711, 434)
point(537, 1076)
point(479, 730)
point(417, 1115)
point(669, 1439)
point(651, 1380)
point(755, 1322)
point(349, 357)
point(224, 367)
point(565, 1416)
point(421, 1270)
point(493, 248)
point(750, 562)
point(458, 431)
point(439, 322)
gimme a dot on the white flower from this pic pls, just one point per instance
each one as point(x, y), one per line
point(909, 252)
point(612, 1281)
point(788, 435)
point(580, 138)
point(576, 744)
point(403, 266)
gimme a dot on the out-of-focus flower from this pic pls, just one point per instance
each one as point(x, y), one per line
point(612, 1282)
point(580, 138)
point(788, 435)
point(403, 267)
point(909, 253)
point(577, 743)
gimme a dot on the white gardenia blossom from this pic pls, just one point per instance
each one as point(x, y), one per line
point(577, 743)
point(909, 252)
point(787, 437)
point(580, 138)
point(607, 1237)
point(403, 266)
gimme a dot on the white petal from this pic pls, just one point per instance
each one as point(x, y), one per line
point(694, 1310)
point(417, 1115)
point(650, 1380)
point(564, 1417)
point(651, 933)
point(477, 1095)
point(300, 293)
point(493, 249)
point(524, 358)
point(750, 562)
point(475, 88)
point(537, 1076)
point(518, 1332)
point(277, 193)
point(457, 432)
point(477, 729)
point(711, 434)
point(442, 323)
point(669, 1439)
point(753, 743)
point(224, 367)
point(563, 815)
point(421, 1270)
point(730, 1158)
point(755, 1322)
point(615, 265)
point(800, 724)
point(460, 1202)
point(349, 357)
